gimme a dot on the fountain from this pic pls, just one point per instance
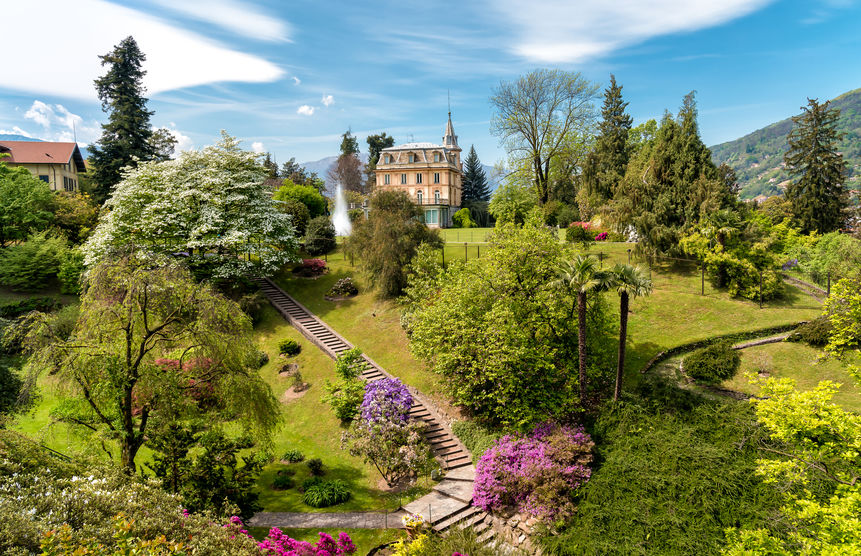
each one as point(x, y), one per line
point(340, 218)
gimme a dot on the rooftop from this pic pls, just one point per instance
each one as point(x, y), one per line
point(42, 152)
point(409, 146)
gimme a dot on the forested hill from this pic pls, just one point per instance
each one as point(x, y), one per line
point(758, 156)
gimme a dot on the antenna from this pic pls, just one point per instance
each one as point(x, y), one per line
point(74, 131)
point(448, 93)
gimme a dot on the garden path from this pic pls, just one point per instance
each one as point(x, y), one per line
point(450, 501)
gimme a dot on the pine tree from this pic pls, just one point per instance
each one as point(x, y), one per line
point(349, 144)
point(606, 164)
point(475, 186)
point(376, 143)
point(817, 197)
point(271, 167)
point(127, 135)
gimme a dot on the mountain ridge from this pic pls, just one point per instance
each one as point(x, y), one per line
point(758, 156)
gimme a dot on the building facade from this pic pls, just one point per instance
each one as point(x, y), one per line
point(57, 164)
point(430, 174)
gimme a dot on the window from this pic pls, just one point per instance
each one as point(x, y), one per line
point(436, 177)
point(432, 217)
point(412, 158)
point(436, 197)
point(44, 178)
point(436, 157)
point(66, 183)
point(388, 159)
point(419, 196)
point(418, 178)
point(388, 179)
point(403, 179)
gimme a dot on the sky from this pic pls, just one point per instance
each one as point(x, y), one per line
point(290, 77)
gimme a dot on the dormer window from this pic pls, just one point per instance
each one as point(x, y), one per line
point(388, 159)
point(436, 157)
point(412, 158)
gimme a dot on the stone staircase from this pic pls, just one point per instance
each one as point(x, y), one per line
point(449, 504)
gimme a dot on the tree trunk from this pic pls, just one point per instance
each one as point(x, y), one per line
point(581, 341)
point(623, 335)
point(128, 440)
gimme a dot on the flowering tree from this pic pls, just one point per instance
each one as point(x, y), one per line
point(537, 473)
point(209, 204)
point(384, 434)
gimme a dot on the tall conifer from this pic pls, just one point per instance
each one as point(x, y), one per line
point(127, 135)
point(475, 186)
point(606, 164)
point(817, 197)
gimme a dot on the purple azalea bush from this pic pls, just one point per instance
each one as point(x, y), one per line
point(386, 400)
point(279, 544)
point(537, 473)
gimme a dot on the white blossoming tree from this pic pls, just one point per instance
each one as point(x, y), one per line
point(209, 204)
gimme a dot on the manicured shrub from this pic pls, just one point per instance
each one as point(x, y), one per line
point(349, 364)
point(343, 288)
point(262, 359)
point(320, 236)
point(713, 364)
point(305, 194)
point(326, 493)
point(282, 482)
point(289, 347)
point(345, 396)
point(293, 455)
point(815, 333)
point(537, 473)
point(311, 268)
point(315, 466)
point(298, 211)
point(463, 219)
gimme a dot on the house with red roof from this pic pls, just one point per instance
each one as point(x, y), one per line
point(57, 164)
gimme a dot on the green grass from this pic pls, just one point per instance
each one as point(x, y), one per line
point(364, 539)
point(310, 426)
point(799, 362)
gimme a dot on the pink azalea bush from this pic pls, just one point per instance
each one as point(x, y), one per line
point(601, 237)
point(538, 473)
point(279, 544)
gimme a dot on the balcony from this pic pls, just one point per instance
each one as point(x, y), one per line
point(432, 202)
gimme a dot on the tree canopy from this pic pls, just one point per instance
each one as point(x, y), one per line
point(210, 204)
point(150, 346)
point(25, 204)
point(305, 194)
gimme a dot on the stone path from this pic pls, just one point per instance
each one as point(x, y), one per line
point(450, 502)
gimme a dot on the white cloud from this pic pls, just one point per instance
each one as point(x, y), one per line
point(238, 17)
point(557, 31)
point(15, 131)
point(176, 58)
point(58, 124)
point(296, 80)
point(183, 141)
point(257, 147)
point(328, 100)
point(305, 110)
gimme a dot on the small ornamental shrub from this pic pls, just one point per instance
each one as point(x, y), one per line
point(713, 364)
point(293, 456)
point(345, 396)
point(815, 333)
point(349, 364)
point(601, 237)
point(277, 543)
point(315, 466)
point(343, 288)
point(289, 347)
point(252, 304)
point(282, 482)
point(537, 473)
point(311, 268)
point(320, 236)
point(575, 233)
point(326, 493)
point(463, 219)
point(262, 359)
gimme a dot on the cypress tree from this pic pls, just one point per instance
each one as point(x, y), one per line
point(127, 135)
point(606, 164)
point(475, 186)
point(817, 197)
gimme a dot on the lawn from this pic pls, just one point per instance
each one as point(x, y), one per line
point(799, 362)
point(310, 426)
point(364, 539)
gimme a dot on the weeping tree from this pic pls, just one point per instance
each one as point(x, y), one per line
point(152, 346)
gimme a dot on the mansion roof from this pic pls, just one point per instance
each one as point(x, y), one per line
point(42, 152)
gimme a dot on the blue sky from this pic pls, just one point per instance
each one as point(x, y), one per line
point(289, 78)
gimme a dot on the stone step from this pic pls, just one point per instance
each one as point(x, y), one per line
point(459, 490)
point(435, 506)
point(461, 474)
point(487, 536)
point(464, 517)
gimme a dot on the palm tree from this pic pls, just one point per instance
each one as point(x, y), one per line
point(630, 282)
point(722, 226)
point(581, 276)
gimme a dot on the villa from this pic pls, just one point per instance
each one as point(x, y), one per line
point(431, 175)
point(57, 164)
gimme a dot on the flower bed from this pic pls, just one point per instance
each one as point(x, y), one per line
point(537, 473)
